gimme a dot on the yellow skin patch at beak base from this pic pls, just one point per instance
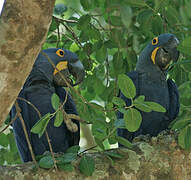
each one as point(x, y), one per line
point(153, 55)
point(61, 66)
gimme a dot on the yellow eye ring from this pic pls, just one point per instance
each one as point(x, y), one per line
point(60, 52)
point(155, 41)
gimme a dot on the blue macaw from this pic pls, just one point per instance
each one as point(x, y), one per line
point(43, 81)
point(150, 79)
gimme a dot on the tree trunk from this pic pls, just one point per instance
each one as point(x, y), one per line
point(23, 25)
point(159, 159)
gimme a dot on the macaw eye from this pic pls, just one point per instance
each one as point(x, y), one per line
point(60, 52)
point(155, 41)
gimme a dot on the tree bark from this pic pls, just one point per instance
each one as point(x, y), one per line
point(23, 25)
point(159, 159)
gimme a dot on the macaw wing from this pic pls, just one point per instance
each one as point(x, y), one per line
point(20, 138)
point(174, 104)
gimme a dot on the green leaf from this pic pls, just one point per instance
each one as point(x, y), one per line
point(144, 18)
point(99, 130)
point(112, 140)
point(131, 56)
point(46, 162)
point(126, 86)
point(144, 15)
point(132, 119)
point(106, 144)
point(157, 25)
point(118, 101)
point(185, 46)
point(99, 143)
point(115, 21)
point(83, 22)
point(188, 138)
point(11, 140)
point(124, 142)
point(73, 149)
point(117, 38)
point(101, 54)
point(74, 47)
point(86, 4)
point(118, 63)
point(87, 165)
point(155, 106)
point(98, 86)
point(66, 167)
point(136, 3)
point(88, 48)
point(113, 154)
point(181, 123)
point(184, 138)
point(122, 110)
point(142, 106)
point(4, 141)
point(58, 119)
point(172, 15)
point(41, 125)
point(186, 66)
point(140, 99)
point(83, 35)
point(55, 100)
point(183, 15)
point(126, 15)
point(93, 33)
point(181, 137)
point(67, 158)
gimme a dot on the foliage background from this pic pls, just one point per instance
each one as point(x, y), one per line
point(108, 36)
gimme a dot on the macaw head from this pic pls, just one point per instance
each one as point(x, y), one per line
point(59, 66)
point(160, 52)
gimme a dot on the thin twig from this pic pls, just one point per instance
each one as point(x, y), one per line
point(76, 39)
point(69, 29)
point(107, 72)
point(76, 117)
point(33, 106)
point(93, 147)
point(69, 123)
point(16, 115)
point(102, 28)
point(40, 116)
point(68, 38)
point(58, 32)
point(73, 35)
point(66, 97)
point(64, 20)
point(51, 150)
point(25, 132)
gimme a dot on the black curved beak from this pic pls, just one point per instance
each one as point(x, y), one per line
point(72, 72)
point(76, 69)
point(171, 48)
point(167, 53)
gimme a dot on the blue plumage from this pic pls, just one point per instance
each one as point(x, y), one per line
point(150, 79)
point(38, 89)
